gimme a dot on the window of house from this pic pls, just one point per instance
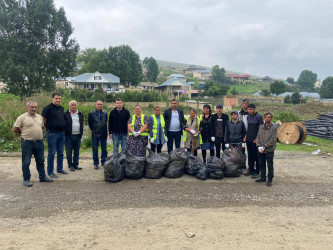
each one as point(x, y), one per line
point(97, 78)
point(84, 85)
point(92, 86)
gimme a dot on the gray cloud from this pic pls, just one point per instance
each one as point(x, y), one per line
point(278, 38)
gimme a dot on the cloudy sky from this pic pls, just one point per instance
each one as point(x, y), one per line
point(278, 38)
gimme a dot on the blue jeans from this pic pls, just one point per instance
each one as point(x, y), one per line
point(173, 135)
point(95, 144)
point(30, 148)
point(55, 142)
point(73, 143)
point(116, 139)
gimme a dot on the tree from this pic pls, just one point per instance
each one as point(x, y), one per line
point(93, 60)
point(287, 99)
point(265, 92)
point(212, 88)
point(218, 74)
point(35, 45)
point(290, 80)
point(306, 80)
point(296, 98)
point(326, 89)
point(277, 87)
point(234, 91)
point(125, 63)
point(152, 68)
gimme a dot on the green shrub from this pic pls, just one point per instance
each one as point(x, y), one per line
point(287, 117)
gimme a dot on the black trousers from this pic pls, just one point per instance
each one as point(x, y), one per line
point(263, 159)
point(218, 142)
point(253, 160)
point(154, 146)
point(195, 152)
point(173, 136)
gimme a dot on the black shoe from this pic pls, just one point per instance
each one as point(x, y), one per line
point(248, 173)
point(46, 179)
point(255, 176)
point(62, 172)
point(103, 164)
point(72, 169)
point(53, 175)
point(260, 180)
point(78, 168)
point(269, 183)
point(27, 183)
point(96, 167)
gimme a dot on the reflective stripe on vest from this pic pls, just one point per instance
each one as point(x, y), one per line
point(156, 124)
point(185, 132)
point(142, 124)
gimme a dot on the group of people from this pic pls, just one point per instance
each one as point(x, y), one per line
point(213, 132)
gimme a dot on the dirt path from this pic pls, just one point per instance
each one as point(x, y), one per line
point(81, 211)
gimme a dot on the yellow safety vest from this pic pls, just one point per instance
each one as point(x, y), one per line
point(185, 132)
point(142, 124)
point(155, 125)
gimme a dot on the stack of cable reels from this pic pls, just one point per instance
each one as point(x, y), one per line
point(291, 133)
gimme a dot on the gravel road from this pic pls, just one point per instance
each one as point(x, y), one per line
point(81, 211)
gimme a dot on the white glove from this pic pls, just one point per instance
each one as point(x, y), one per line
point(196, 134)
point(139, 132)
point(261, 149)
point(152, 140)
point(192, 131)
point(227, 145)
point(136, 134)
point(243, 145)
point(166, 139)
point(213, 139)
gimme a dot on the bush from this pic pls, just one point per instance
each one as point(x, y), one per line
point(287, 99)
point(287, 117)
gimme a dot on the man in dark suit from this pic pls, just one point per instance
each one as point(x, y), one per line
point(98, 124)
point(174, 123)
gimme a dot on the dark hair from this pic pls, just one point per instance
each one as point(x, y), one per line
point(193, 110)
point(174, 100)
point(56, 93)
point(209, 107)
point(246, 100)
point(118, 100)
point(251, 106)
point(268, 114)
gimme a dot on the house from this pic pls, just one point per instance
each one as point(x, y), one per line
point(266, 79)
point(65, 83)
point(240, 79)
point(148, 86)
point(3, 87)
point(175, 88)
point(106, 81)
point(177, 76)
point(189, 71)
point(202, 74)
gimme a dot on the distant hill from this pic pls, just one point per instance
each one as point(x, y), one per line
point(177, 65)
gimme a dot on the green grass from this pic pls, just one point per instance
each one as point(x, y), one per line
point(244, 89)
point(6, 97)
point(322, 144)
point(168, 72)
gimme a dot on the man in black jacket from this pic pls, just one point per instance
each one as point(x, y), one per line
point(174, 123)
point(73, 132)
point(118, 119)
point(254, 120)
point(218, 123)
point(235, 132)
point(98, 124)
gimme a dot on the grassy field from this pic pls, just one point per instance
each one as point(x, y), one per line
point(316, 143)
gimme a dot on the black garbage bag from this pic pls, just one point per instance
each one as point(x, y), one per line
point(156, 165)
point(195, 166)
point(233, 162)
point(134, 166)
point(114, 168)
point(215, 168)
point(177, 163)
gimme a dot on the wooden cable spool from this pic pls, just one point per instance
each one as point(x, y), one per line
point(292, 133)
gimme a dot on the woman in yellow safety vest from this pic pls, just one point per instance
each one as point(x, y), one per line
point(137, 133)
point(191, 136)
point(157, 130)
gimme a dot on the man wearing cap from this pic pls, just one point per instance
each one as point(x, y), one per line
point(254, 120)
point(266, 143)
point(235, 132)
point(30, 127)
point(218, 123)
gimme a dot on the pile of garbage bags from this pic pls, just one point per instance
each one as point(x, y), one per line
point(172, 165)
